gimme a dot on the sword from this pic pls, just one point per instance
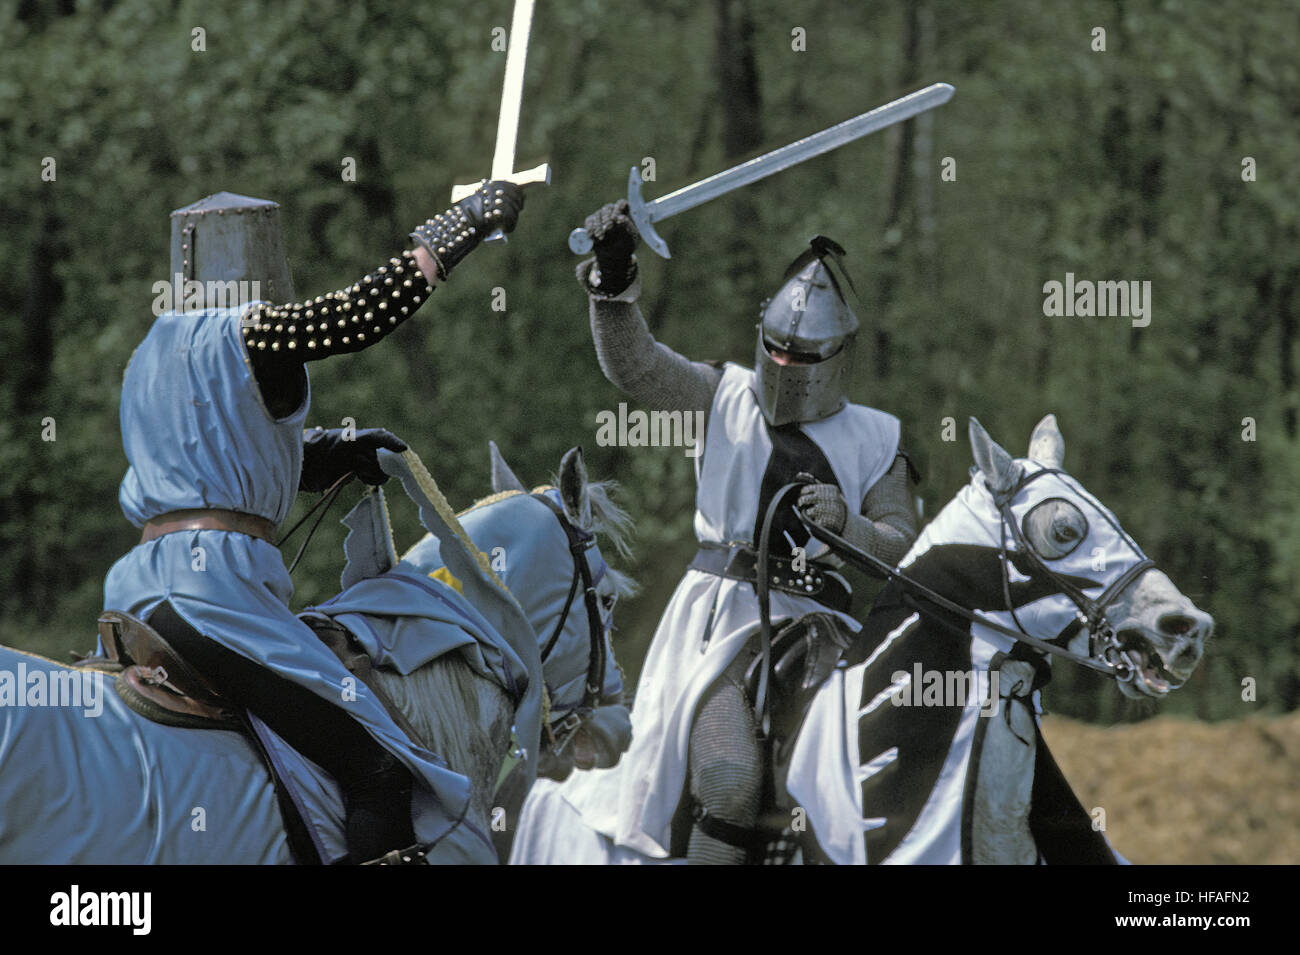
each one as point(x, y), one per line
point(512, 95)
point(645, 214)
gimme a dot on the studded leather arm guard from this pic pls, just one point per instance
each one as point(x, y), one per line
point(348, 320)
point(452, 235)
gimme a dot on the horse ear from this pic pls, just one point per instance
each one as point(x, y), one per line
point(1000, 470)
point(573, 488)
point(503, 479)
point(1046, 445)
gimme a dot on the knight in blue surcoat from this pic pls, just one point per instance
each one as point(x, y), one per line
point(214, 401)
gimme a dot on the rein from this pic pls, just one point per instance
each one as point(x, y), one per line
point(579, 540)
point(322, 504)
point(761, 709)
point(1091, 613)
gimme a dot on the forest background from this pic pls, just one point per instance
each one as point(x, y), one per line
point(1169, 156)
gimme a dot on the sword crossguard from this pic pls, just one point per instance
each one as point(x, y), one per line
point(580, 243)
point(528, 177)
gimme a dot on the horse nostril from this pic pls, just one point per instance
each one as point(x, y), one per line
point(1176, 624)
point(1187, 658)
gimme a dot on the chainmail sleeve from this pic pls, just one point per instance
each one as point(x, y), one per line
point(644, 369)
point(886, 526)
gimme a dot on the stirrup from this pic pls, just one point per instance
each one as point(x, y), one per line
point(153, 679)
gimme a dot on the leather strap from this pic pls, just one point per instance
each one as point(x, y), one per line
point(752, 840)
point(741, 563)
point(208, 519)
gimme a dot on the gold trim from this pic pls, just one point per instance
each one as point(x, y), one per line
point(431, 490)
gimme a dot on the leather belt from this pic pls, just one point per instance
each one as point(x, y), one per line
point(741, 563)
point(208, 519)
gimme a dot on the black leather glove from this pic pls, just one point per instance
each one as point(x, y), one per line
point(614, 238)
point(327, 456)
point(452, 235)
point(824, 505)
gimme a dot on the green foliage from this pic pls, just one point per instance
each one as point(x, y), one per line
point(1117, 165)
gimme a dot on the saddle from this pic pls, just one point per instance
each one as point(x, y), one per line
point(154, 680)
point(804, 653)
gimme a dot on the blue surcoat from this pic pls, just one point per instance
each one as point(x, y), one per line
point(197, 434)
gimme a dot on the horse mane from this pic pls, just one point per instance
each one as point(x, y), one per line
point(609, 522)
point(459, 715)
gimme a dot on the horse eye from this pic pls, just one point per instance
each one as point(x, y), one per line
point(1055, 527)
point(1064, 531)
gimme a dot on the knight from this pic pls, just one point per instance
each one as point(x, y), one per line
point(214, 402)
point(696, 736)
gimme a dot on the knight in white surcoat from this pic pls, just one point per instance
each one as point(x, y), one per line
point(696, 752)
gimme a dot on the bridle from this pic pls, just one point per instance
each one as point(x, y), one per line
point(1103, 643)
point(579, 542)
point(1104, 653)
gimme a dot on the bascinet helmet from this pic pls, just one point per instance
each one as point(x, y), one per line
point(809, 318)
point(231, 238)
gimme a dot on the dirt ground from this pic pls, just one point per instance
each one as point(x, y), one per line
point(1182, 792)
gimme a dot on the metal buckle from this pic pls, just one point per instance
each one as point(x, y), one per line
point(562, 733)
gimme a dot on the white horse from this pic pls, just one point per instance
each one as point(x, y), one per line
point(923, 745)
point(85, 779)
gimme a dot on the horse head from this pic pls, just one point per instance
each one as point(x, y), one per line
point(544, 545)
point(1097, 593)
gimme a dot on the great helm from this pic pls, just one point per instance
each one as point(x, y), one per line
point(230, 238)
point(808, 316)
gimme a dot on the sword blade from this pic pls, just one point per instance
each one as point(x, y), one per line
point(512, 90)
point(688, 197)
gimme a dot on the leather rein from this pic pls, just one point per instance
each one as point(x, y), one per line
point(1104, 649)
point(597, 661)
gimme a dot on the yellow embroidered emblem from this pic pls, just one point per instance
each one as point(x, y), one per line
point(448, 578)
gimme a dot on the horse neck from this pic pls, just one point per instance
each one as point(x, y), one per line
point(461, 716)
point(938, 655)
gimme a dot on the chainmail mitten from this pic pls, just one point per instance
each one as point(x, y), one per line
point(824, 505)
point(614, 238)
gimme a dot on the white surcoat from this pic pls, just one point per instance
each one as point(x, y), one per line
point(710, 618)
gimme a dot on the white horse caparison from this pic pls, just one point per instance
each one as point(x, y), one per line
point(923, 746)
